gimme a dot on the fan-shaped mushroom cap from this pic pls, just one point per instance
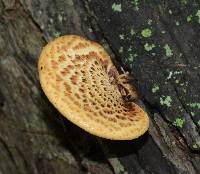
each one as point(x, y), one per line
point(74, 78)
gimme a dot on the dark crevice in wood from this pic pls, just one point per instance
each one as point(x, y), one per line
point(10, 154)
point(30, 17)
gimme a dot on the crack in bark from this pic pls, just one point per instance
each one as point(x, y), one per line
point(185, 109)
point(10, 155)
point(28, 13)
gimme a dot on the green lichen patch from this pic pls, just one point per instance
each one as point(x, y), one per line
point(146, 32)
point(192, 113)
point(183, 2)
point(179, 122)
point(149, 47)
point(149, 21)
point(166, 100)
point(177, 72)
point(155, 88)
point(135, 55)
point(173, 74)
point(184, 90)
point(170, 75)
point(120, 168)
point(130, 49)
point(177, 23)
point(198, 123)
point(173, 142)
point(57, 34)
point(168, 51)
point(163, 31)
point(184, 84)
point(189, 18)
point(117, 7)
point(121, 36)
point(136, 5)
point(177, 81)
point(198, 15)
point(194, 105)
point(121, 49)
point(194, 146)
point(132, 32)
point(131, 57)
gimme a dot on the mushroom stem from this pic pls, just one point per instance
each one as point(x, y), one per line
point(123, 81)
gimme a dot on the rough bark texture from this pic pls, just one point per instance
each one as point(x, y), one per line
point(35, 138)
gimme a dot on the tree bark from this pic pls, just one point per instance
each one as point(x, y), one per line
point(156, 41)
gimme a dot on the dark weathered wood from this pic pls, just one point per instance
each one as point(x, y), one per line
point(171, 148)
point(34, 137)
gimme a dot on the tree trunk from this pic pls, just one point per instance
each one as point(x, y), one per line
point(156, 41)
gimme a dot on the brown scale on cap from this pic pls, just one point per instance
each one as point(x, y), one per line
point(79, 78)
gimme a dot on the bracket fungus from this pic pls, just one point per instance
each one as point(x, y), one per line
point(80, 80)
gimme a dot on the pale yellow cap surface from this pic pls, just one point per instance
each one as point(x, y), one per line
point(74, 78)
